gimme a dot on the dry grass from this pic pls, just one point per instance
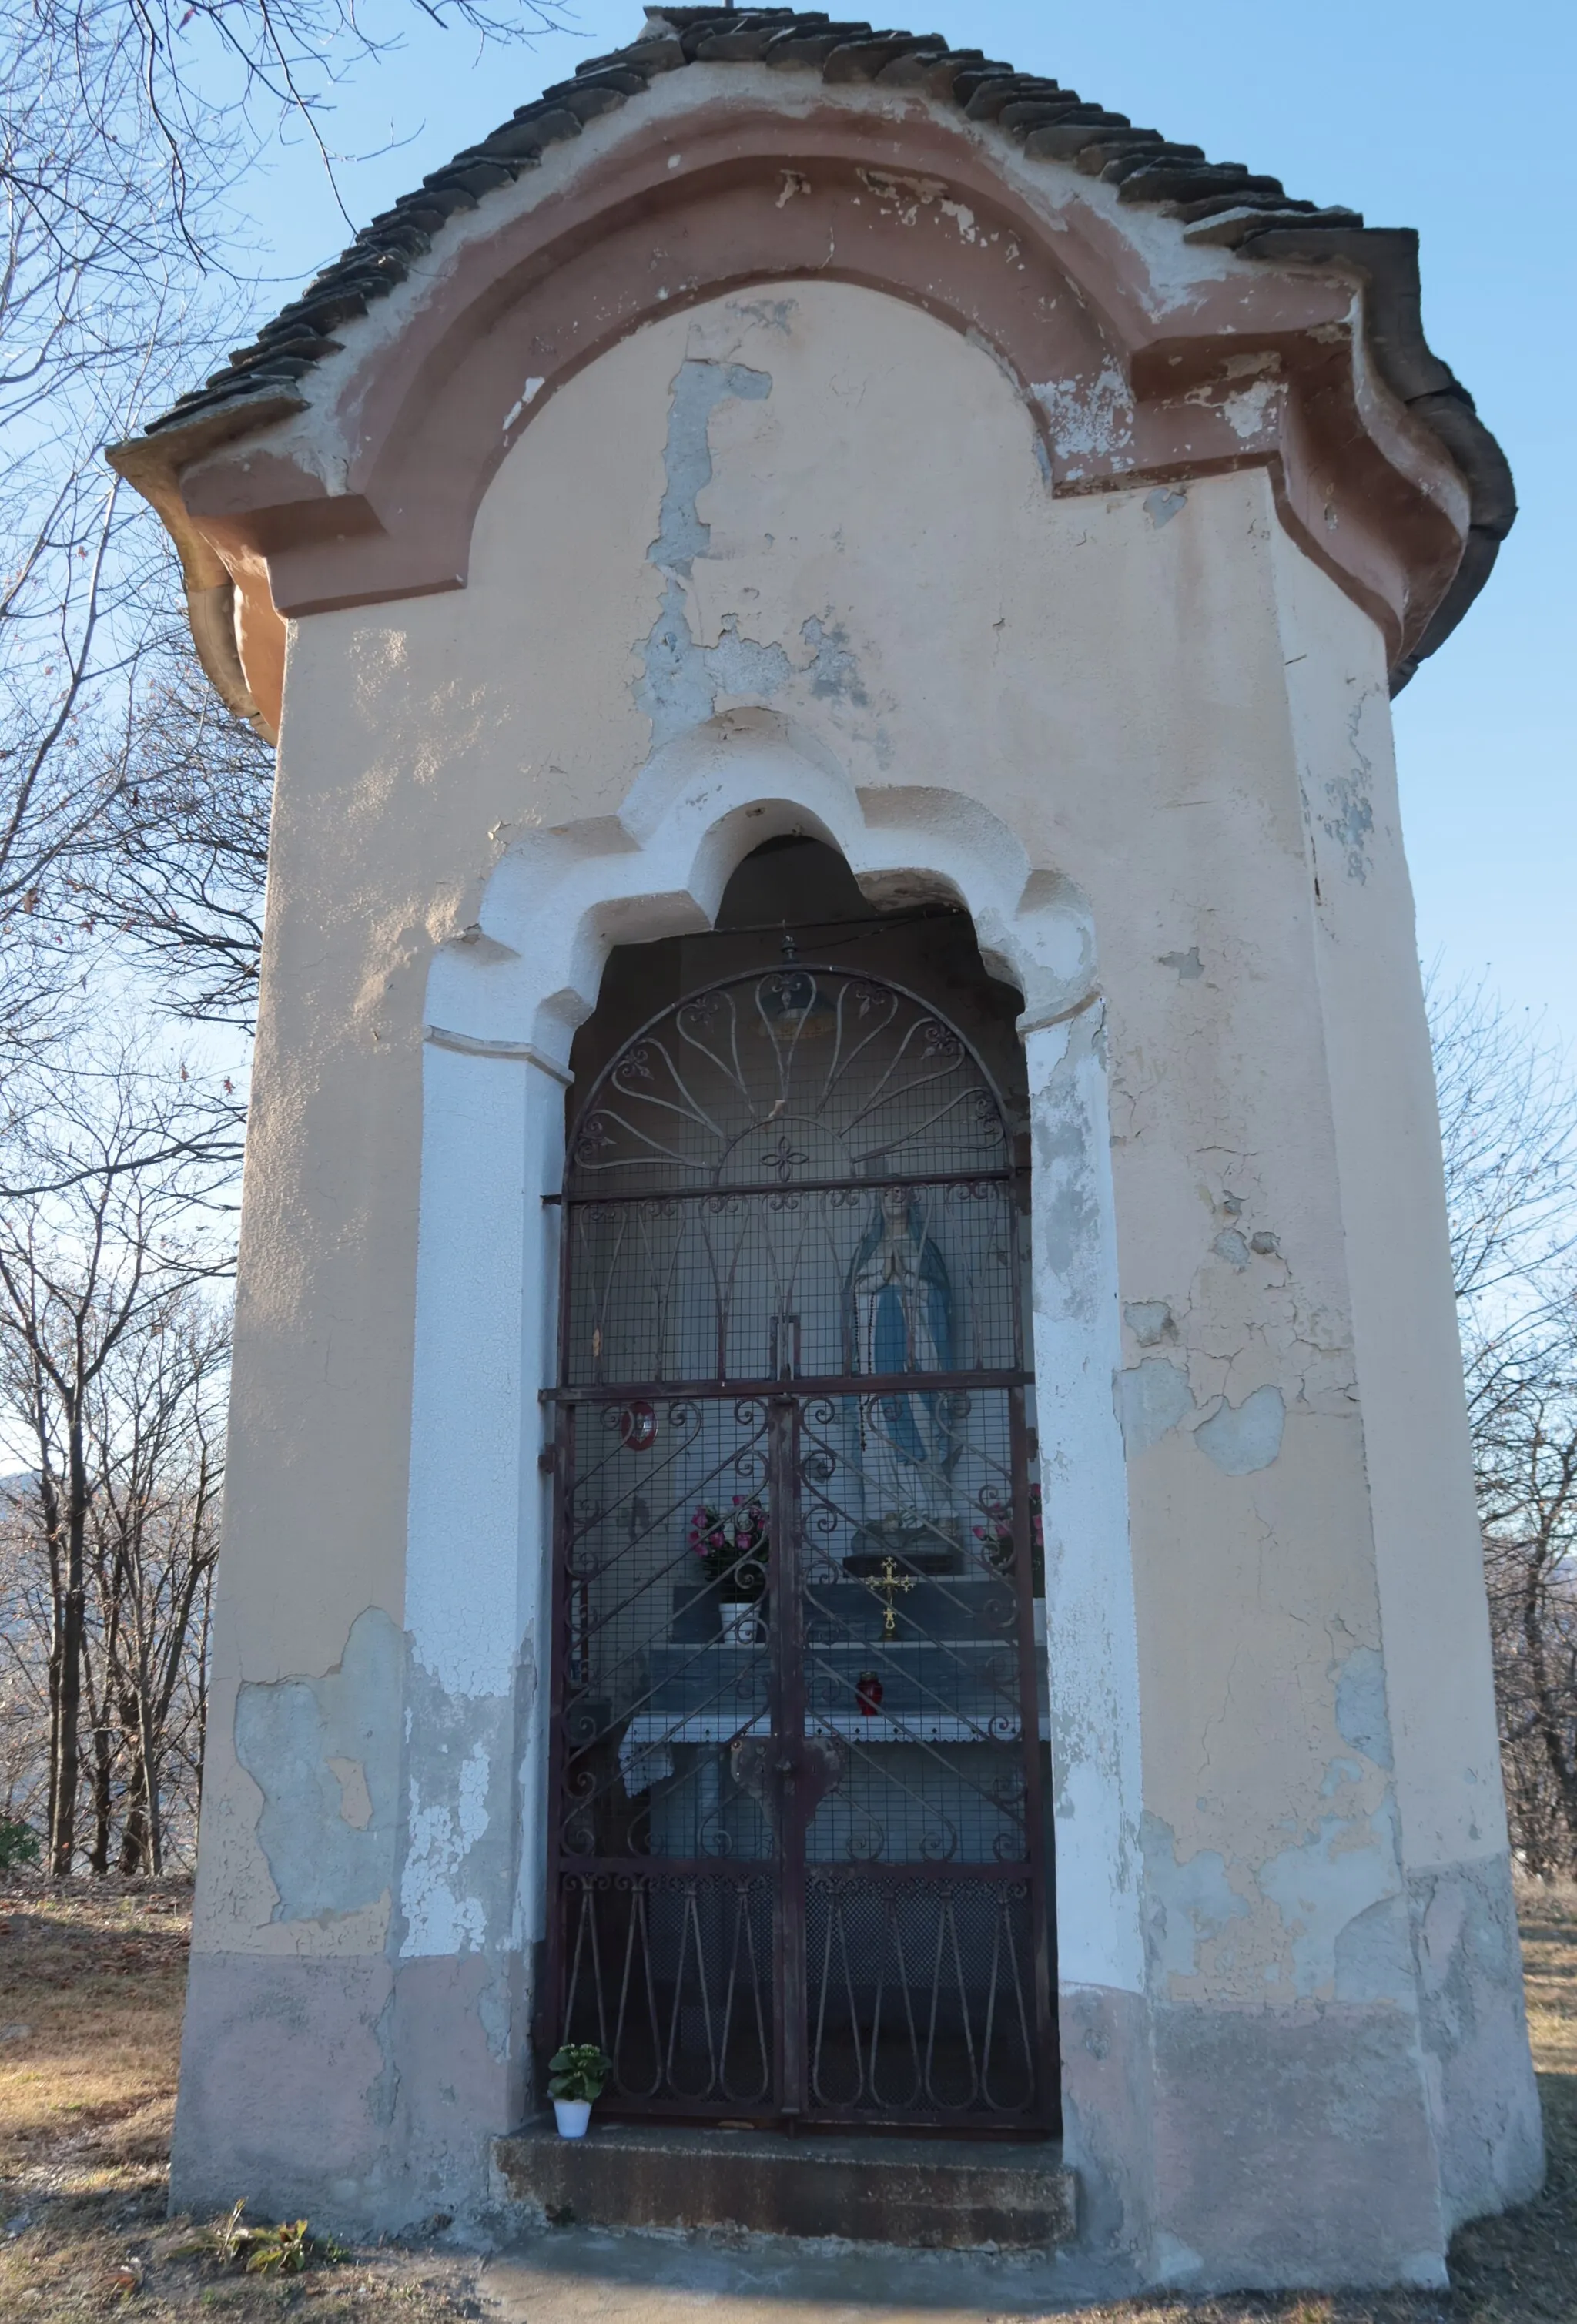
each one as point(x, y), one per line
point(91, 1981)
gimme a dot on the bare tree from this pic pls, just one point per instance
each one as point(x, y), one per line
point(1527, 1495)
point(1509, 1126)
point(104, 1230)
point(125, 126)
point(175, 871)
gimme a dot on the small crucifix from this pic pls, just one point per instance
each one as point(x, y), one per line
point(890, 1582)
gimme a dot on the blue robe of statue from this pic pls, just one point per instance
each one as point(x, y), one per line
point(899, 1303)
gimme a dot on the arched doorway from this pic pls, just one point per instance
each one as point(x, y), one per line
point(798, 1846)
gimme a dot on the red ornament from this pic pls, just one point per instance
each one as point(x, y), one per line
point(638, 1427)
point(868, 1693)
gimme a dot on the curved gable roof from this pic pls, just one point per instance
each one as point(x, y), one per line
point(1220, 204)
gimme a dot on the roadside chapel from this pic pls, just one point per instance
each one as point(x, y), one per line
point(848, 1476)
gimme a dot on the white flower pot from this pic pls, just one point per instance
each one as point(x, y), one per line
point(742, 1622)
point(573, 2116)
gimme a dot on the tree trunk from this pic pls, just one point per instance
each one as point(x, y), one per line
point(102, 1800)
point(136, 1853)
point(64, 1763)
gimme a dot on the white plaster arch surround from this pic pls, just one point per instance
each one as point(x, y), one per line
point(502, 1005)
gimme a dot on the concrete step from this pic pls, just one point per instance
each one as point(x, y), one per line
point(927, 2194)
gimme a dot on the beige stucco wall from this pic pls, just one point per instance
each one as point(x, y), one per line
point(815, 501)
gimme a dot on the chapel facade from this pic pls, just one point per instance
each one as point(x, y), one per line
point(848, 1475)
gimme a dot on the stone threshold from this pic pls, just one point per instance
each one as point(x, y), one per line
point(927, 2194)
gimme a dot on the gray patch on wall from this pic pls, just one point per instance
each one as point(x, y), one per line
point(1163, 504)
point(833, 670)
point(1324, 1885)
point(1362, 1719)
point(1152, 1399)
point(1248, 1437)
point(1186, 1905)
point(1188, 964)
point(322, 1859)
point(1475, 2029)
point(1149, 1321)
point(1353, 820)
point(680, 681)
point(1373, 1958)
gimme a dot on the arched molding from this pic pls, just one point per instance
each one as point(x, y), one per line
point(558, 901)
point(1140, 361)
point(502, 1004)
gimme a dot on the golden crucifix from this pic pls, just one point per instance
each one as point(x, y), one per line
point(889, 1581)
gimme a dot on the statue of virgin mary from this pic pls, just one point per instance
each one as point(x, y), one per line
point(899, 1299)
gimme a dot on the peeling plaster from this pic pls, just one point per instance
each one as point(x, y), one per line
point(1149, 1321)
point(834, 669)
point(1188, 964)
point(1161, 506)
point(1088, 419)
point(1362, 1719)
point(1247, 1437)
point(1186, 1904)
point(698, 388)
point(1152, 1399)
point(1351, 822)
point(1325, 1886)
point(461, 1795)
point(298, 1739)
point(681, 679)
point(527, 395)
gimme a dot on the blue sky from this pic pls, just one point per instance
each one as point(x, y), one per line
point(1453, 118)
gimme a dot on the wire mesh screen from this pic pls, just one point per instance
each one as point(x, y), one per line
point(799, 1765)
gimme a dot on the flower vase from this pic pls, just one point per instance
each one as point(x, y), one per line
point(741, 1622)
point(572, 2116)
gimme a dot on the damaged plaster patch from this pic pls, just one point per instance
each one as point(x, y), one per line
point(527, 395)
point(1323, 1887)
point(1152, 1400)
point(698, 388)
point(737, 665)
point(1373, 1958)
point(1161, 506)
point(1246, 409)
point(1362, 1719)
point(1186, 1905)
point(1188, 964)
point(904, 195)
point(453, 1889)
point(1248, 1438)
point(678, 688)
point(832, 669)
point(1149, 1321)
point(680, 681)
point(304, 1742)
point(1351, 822)
point(1231, 1246)
point(1088, 419)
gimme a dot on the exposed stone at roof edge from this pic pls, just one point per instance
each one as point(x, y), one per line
point(1223, 203)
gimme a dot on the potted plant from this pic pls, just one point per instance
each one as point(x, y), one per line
point(576, 2076)
point(732, 1545)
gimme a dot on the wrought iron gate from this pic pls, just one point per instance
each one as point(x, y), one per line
point(798, 1848)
